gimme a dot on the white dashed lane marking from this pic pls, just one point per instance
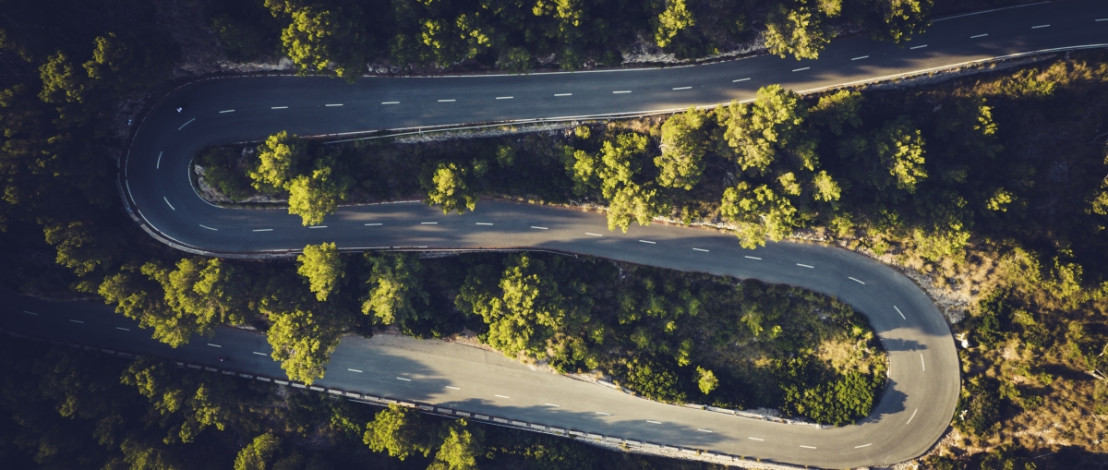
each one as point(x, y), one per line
point(256, 353)
point(756, 439)
point(755, 258)
point(318, 226)
point(807, 447)
point(806, 266)
point(737, 80)
point(186, 123)
point(214, 345)
point(910, 418)
point(373, 224)
point(859, 281)
point(918, 47)
point(262, 230)
point(922, 365)
point(403, 379)
point(79, 322)
point(648, 242)
point(593, 234)
point(536, 227)
point(621, 92)
point(355, 371)
point(120, 328)
point(681, 88)
point(861, 57)
point(601, 413)
point(387, 103)
point(452, 387)
point(563, 94)
point(801, 69)
point(208, 228)
point(28, 312)
point(863, 445)
point(278, 107)
point(158, 164)
point(704, 430)
point(653, 422)
point(505, 97)
point(700, 249)
point(555, 405)
point(333, 105)
point(447, 100)
point(502, 396)
point(168, 204)
point(1041, 26)
point(901, 313)
point(979, 36)
point(484, 223)
point(428, 223)
point(225, 111)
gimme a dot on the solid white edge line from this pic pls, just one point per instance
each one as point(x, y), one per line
point(186, 123)
point(256, 353)
point(700, 250)
point(861, 57)
point(225, 111)
point(158, 164)
point(621, 92)
point(505, 97)
point(593, 234)
point(859, 281)
point(648, 242)
point(278, 107)
point(978, 36)
point(801, 69)
point(333, 105)
point(806, 266)
point(536, 227)
point(910, 418)
point(209, 228)
point(354, 370)
point(755, 258)
point(214, 345)
point(901, 313)
point(168, 204)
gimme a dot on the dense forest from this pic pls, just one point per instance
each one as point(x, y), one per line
point(991, 188)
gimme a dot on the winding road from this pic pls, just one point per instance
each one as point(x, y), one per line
point(923, 385)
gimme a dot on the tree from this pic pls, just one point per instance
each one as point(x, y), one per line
point(396, 294)
point(839, 108)
point(671, 21)
point(193, 407)
point(760, 131)
point(320, 38)
point(398, 431)
point(302, 342)
point(278, 159)
point(449, 189)
point(706, 380)
point(902, 19)
point(797, 31)
point(202, 292)
point(60, 82)
point(322, 267)
point(615, 170)
point(259, 453)
point(460, 448)
point(758, 213)
point(900, 148)
point(681, 163)
point(314, 198)
point(825, 188)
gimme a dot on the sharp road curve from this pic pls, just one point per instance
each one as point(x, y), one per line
point(914, 410)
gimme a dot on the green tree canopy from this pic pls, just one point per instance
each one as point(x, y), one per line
point(315, 197)
point(322, 266)
point(396, 295)
point(259, 453)
point(760, 131)
point(460, 447)
point(279, 158)
point(797, 31)
point(449, 189)
point(674, 18)
point(302, 341)
point(681, 163)
point(758, 213)
point(398, 431)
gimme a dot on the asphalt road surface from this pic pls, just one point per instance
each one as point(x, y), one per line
point(914, 410)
